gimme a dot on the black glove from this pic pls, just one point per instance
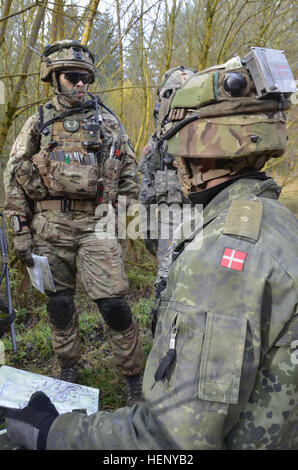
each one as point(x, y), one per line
point(5, 319)
point(29, 427)
point(159, 286)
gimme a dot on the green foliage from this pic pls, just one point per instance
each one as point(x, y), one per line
point(141, 311)
point(140, 280)
point(96, 368)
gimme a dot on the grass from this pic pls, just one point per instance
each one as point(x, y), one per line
point(96, 368)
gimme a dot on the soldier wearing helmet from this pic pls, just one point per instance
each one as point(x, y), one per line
point(221, 373)
point(159, 182)
point(71, 159)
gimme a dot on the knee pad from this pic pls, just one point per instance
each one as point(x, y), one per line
point(115, 312)
point(61, 309)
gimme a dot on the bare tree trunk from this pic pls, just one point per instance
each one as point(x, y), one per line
point(90, 18)
point(11, 106)
point(210, 11)
point(3, 24)
point(170, 33)
point(120, 45)
point(56, 31)
point(57, 25)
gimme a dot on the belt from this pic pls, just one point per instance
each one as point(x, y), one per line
point(65, 205)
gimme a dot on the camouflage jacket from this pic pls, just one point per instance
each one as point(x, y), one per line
point(27, 144)
point(231, 304)
point(157, 185)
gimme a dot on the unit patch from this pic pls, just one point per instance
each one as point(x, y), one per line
point(71, 125)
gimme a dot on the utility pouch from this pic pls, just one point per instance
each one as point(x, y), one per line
point(167, 187)
point(42, 163)
point(28, 177)
point(67, 180)
point(73, 181)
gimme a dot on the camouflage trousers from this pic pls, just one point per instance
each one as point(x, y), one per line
point(74, 247)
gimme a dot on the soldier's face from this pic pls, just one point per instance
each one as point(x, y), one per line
point(73, 87)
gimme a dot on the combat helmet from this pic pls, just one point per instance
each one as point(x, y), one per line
point(232, 113)
point(170, 82)
point(66, 54)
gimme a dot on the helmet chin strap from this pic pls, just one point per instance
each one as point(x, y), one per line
point(190, 181)
point(202, 178)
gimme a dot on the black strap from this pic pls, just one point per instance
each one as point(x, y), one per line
point(180, 247)
point(121, 130)
point(180, 125)
point(70, 112)
point(40, 110)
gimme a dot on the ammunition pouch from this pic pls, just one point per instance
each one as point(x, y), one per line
point(68, 180)
point(167, 187)
point(29, 178)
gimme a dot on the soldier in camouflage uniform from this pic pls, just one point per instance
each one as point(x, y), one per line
point(159, 182)
point(70, 159)
point(222, 373)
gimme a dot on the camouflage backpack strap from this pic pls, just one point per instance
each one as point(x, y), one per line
point(244, 219)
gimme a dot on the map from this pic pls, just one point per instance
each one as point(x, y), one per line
point(17, 386)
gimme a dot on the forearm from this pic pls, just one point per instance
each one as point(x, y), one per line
point(125, 429)
point(16, 201)
point(129, 182)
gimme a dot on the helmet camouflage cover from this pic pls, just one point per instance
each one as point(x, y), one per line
point(65, 55)
point(217, 113)
point(170, 82)
point(207, 121)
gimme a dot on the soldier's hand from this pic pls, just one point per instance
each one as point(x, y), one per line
point(29, 427)
point(159, 286)
point(23, 246)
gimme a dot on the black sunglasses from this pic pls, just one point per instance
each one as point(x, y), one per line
point(75, 77)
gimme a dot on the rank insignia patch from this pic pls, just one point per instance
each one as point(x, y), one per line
point(233, 259)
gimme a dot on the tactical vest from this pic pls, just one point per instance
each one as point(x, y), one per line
point(67, 161)
point(76, 160)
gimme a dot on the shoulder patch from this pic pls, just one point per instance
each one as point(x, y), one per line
point(244, 219)
point(146, 150)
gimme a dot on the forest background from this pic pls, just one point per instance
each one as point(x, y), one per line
point(134, 42)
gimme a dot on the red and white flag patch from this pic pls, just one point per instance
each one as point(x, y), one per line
point(233, 259)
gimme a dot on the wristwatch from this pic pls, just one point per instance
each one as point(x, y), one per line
point(17, 224)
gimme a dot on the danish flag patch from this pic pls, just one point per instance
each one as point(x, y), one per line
point(233, 259)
